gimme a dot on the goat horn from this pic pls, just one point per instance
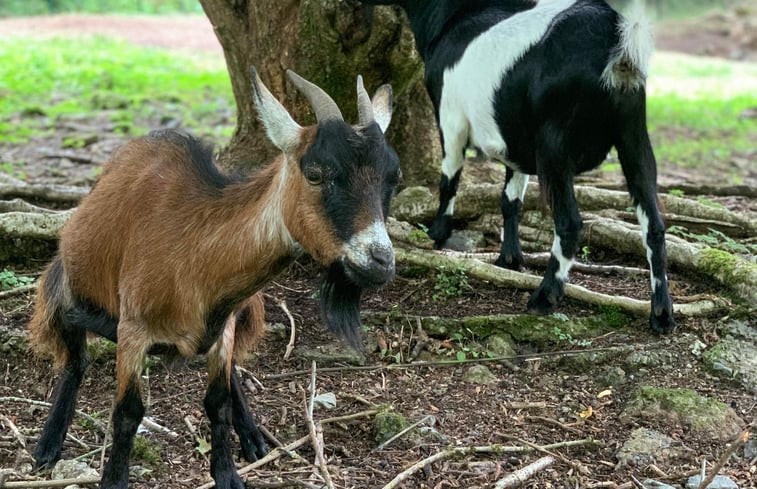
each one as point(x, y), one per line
point(364, 105)
point(324, 106)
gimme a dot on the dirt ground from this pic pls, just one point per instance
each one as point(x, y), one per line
point(540, 399)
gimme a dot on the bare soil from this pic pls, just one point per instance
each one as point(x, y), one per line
point(554, 392)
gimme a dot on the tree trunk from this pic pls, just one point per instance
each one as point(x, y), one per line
point(329, 42)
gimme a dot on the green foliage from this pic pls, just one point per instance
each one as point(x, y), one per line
point(16, 169)
point(714, 239)
point(700, 131)
point(80, 75)
point(450, 282)
point(41, 7)
point(676, 192)
point(9, 280)
point(468, 347)
point(146, 451)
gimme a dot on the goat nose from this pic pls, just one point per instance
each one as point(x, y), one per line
point(382, 255)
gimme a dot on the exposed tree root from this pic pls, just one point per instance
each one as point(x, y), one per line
point(509, 278)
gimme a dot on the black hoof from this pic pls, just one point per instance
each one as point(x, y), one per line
point(229, 480)
point(440, 231)
point(45, 461)
point(664, 323)
point(544, 300)
point(510, 262)
point(253, 448)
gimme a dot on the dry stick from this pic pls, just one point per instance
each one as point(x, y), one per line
point(463, 451)
point(147, 423)
point(401, 433)
point(554, 422)
point(81, 481)
point(522, 475)
point(84, 415)
point(742, 438)
point(441, 363)
point(320, 458)
point(14, 429)
point(579, 468)
point(273, 455)
point(290, 345)
point(17, 291)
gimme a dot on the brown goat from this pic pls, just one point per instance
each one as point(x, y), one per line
point(168, 254)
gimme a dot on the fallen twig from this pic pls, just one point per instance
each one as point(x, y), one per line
point(464, 451)
point(740, 440)
point(81, 481)
point(292, 331)
point(14, 429)
point(23, 289)
point(555, 423)
point(97, 424)
point(440, 363)
point(148, 423)
point(318, 447)
point(522, 475)
point(401, 433)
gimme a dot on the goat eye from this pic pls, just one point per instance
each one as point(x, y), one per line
point(314, 176)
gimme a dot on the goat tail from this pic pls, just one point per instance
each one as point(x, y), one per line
point(46, 327)
point(629, 61)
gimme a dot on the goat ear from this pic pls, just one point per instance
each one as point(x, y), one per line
point(340, 307)
point(282, 130)
point(382, 102)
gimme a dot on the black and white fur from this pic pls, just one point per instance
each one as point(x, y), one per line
point(546, 87)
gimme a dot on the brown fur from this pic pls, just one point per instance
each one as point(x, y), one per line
point(155, 248)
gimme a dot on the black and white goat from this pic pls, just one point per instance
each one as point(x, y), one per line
point(166, 253)
point(546, 87)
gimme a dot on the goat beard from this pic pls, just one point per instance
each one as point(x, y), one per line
point(340, 306)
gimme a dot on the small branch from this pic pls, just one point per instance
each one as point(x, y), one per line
point(522, 475)
point(97, 424)
point(401, 433)
point(14, 429)
point(740, 440)
point(17, 291)
point(147, 423)
point(555, 423)
point(319, 457)
point(290, 346)
point(273, 455)
point(464, 451)
point(81, 481)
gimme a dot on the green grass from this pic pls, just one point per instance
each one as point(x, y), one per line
point(39, 7)
point(52, 78)
point(696, 110)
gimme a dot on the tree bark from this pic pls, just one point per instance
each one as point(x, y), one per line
point(329, 42)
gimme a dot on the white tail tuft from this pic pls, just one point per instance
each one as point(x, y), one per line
point(627, 67)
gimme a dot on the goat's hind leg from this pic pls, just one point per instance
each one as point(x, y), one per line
point(511, 203)
point(640, 169)
point(61, 413)
point(250, 437)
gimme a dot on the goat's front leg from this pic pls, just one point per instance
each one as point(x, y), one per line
point(129, 410)
point(219, 405)
point(567, 229)
point(253, 444)
point(511, 203)
point(454, 134)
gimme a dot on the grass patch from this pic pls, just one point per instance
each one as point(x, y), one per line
point(47, 79)
point(697, 111)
